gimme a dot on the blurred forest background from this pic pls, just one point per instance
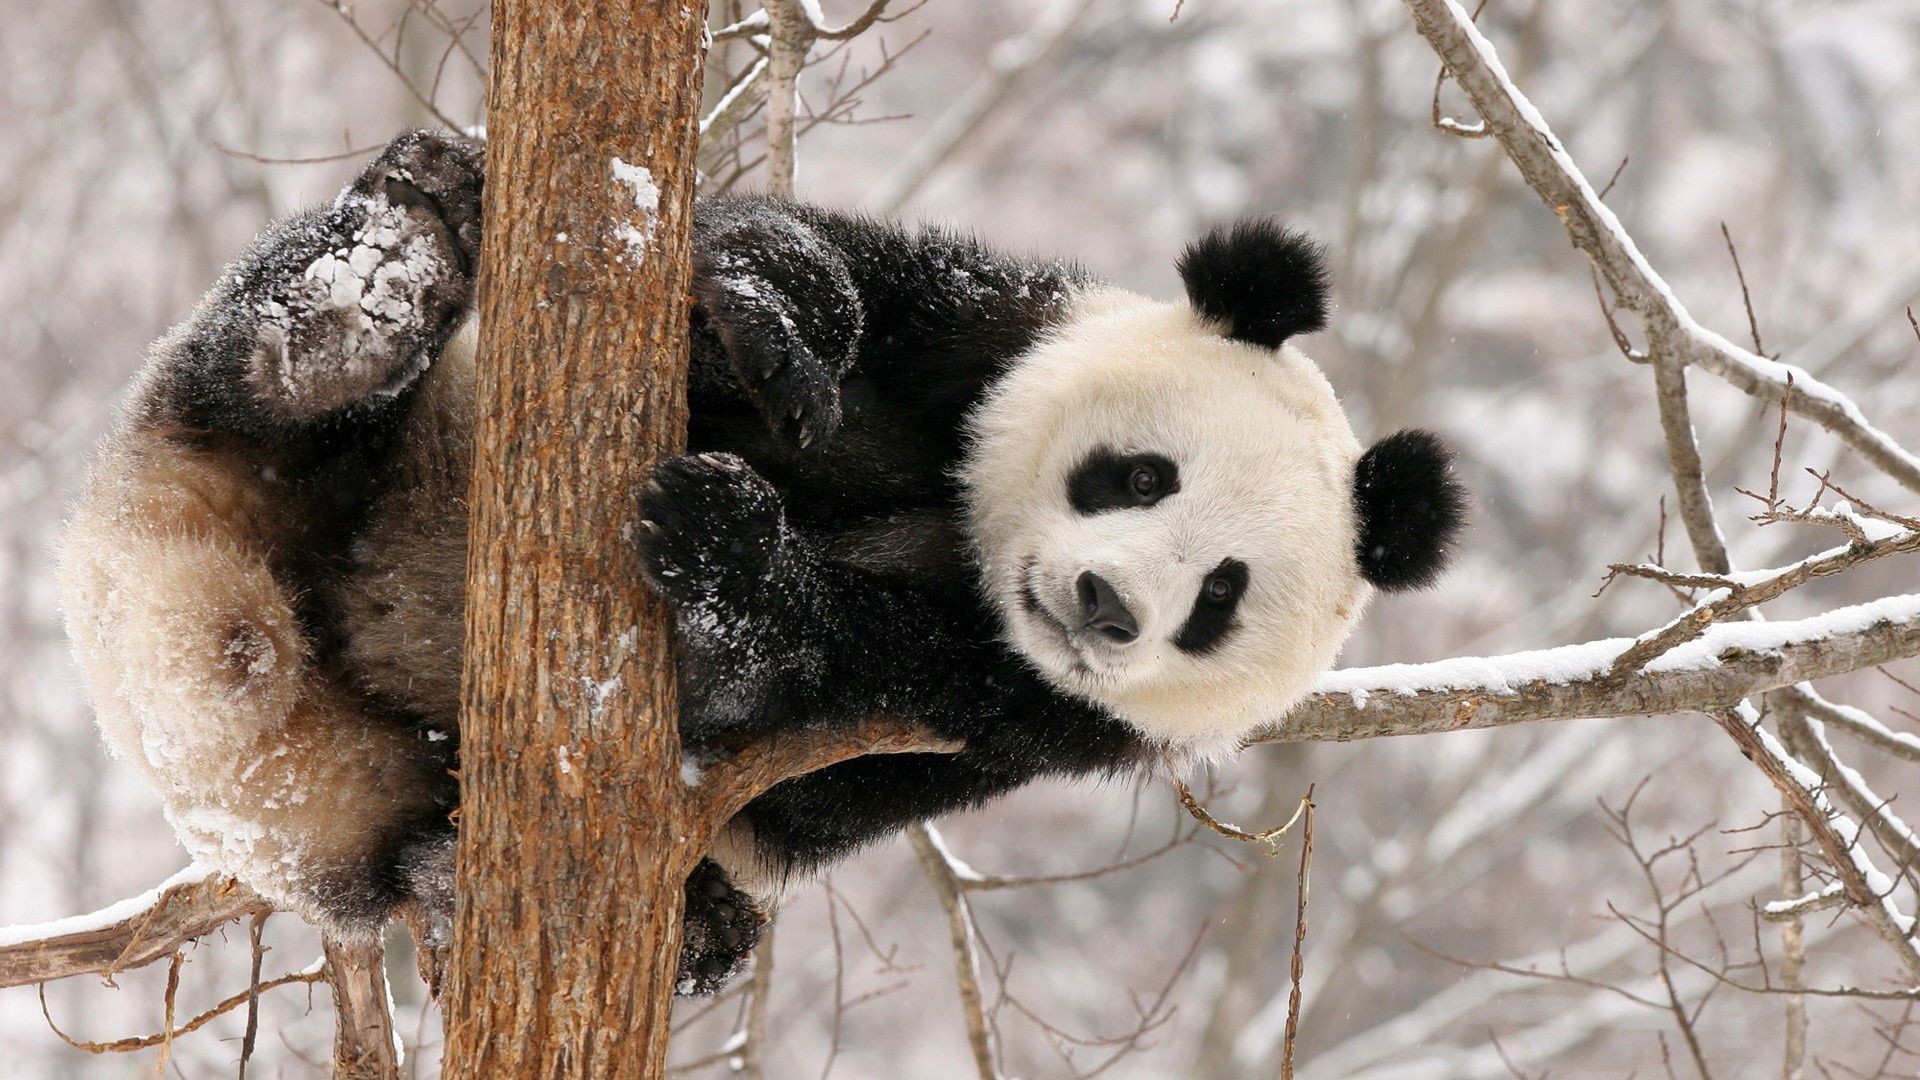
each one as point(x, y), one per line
point(144, 141)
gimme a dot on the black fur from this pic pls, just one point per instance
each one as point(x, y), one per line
point(1411, 509)
point(1109, 480)
point(1211, 620)
point(766, 548)
point(1262, 281)
point(809, 547)
point(436, 179)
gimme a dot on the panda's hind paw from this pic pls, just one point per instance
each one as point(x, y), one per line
point(712, 529)
point(722, 926)
point(435, 177)
point(348, 304)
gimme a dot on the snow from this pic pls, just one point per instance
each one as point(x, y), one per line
point(118, 911)
point(747, 84)
point(959, 867)
point(638, 178)
point(381, 276)
point(637, 235)
point(1813, 899)
point(1572, 663)
point(1866, 722)
point(1873, 529)
point(598, 692)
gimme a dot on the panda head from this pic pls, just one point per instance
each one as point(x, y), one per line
point(1171, 514)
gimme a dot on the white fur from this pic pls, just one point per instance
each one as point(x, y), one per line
point(1265, 459)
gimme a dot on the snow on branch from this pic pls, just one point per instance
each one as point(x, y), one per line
point(129, 934)
point(1724, 665)
point(1550, 171)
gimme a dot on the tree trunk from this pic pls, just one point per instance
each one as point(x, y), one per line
point(571, 859)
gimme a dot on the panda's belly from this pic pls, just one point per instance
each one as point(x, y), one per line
point(399, 607)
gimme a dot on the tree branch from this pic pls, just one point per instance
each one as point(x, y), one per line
point(1729, 663)
point(722, 789)
point(948, 886)
point(130, 934)
point(1550, 171)
point(364, 1046)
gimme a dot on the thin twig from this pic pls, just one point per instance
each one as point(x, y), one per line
point(1298, 966)
point(1746, 300)
point(1266, 837)
point(391, 62)
point(314, 974)
point(252, 1033)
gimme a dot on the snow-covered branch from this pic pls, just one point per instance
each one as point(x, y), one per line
point(129, 934)
point(1726, 664)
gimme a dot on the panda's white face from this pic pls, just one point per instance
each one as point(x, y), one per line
point(1164, 519)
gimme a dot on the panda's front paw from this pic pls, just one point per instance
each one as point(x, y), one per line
point(796, 391)
point(711, 532)
point(722, 926)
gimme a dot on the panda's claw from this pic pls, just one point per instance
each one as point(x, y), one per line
point(783, 377)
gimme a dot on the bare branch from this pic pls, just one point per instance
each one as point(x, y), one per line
point(737, 103)
point(391, 61)
point(724, 787)
point(364, 1046)
point(1866, 887)
point(1811, 745)
point(1861, 725)
point(1297, 966)
point(966, 961)
point(1830, 896)
point(1738, 596)
point(791, 34)
point(315, 973)
point(1746, 296)
point(1267, 837)
point(1551, 172)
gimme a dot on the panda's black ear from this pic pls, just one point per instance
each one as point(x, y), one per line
point(1411, 509)
point(1262, 281)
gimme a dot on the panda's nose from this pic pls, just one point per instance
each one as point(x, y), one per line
point(1104, 611)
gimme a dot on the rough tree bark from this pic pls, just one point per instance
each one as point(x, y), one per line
point(572, 859)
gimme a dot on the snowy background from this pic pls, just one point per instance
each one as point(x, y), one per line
point(131, 143)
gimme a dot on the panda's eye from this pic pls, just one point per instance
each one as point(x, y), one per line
point(1109, 480)
point(1211, 620)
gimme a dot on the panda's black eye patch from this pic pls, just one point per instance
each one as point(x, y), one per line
point(1212, 615)
point(1110, 480)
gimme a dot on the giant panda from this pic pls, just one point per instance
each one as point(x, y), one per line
point(1077, 529)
